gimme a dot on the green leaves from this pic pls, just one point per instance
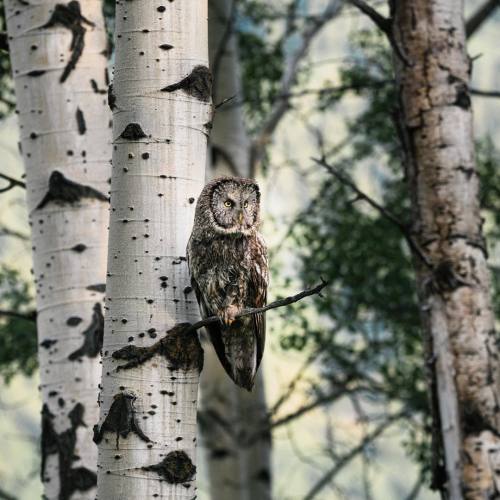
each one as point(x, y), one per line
point(18, 341)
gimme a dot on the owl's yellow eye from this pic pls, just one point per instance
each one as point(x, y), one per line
point(245, 205)
point(228, 203)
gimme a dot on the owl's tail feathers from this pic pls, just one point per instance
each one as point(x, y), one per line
point(236, 349)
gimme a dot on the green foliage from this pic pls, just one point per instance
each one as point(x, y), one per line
point(18, 342)
point(262, 59)
point(369, 331)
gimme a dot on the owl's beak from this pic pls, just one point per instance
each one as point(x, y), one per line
point(240, 218)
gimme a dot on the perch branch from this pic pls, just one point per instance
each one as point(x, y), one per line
point(383, 211)
point(256, 310)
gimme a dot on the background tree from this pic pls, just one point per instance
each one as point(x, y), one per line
point(58, 57)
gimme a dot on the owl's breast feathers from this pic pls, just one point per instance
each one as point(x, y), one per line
point(232, 271)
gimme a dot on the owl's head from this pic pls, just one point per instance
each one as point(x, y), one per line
point(233, 204)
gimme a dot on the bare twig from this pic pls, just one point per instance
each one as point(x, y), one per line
point(383, 211)
point(382, 23)
point(6, 496)
point(256, 310)
point(289, 78)
point(482, 14)
point(485, 93)
point(345, 459)
point(12, 183)
point(29, 316)
point(6, 231)
point(293, 384)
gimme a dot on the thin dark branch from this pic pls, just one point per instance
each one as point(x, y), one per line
point(319, 401)
point(255, 310)
point(12, 183)
point(6, 496)
point(383, 23)
point(482, 14)
point(293, 384)
point(29, 316)
point(383, 211)
point(345, 459)
point(224, 101)
point(485, 93)
point(6, 231)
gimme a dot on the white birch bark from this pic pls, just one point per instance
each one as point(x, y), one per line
point(454, 283)
point(147, 431)
point(237, 469)
point(58, 54)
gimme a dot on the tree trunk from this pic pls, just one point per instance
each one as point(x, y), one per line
point(58, 54)
point(453, 277)
point(237, 469)
point(162, 113)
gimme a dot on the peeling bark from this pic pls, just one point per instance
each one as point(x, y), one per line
point(454, 288)
point(149, 387)
point(66, 151)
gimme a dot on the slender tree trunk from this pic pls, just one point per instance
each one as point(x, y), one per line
point(162, 113)
point(453, 278)
point(58, 54)
point(237, 469)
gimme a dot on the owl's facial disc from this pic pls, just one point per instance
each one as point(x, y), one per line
point(235, 207)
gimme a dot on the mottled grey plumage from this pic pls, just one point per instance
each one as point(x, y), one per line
point(228, 263)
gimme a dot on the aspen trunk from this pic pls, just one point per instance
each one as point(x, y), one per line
point(454, 284)
point(162, 113)
point(58, 54)
point(237, 469)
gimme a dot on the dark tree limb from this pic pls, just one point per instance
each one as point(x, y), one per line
point(12, 183)
point(6, 496)
point(383, 211)
point(485, 93)
point(480, 16)
point(7, 231)
point(384, 24)
point(256, 310)
point(29, 316)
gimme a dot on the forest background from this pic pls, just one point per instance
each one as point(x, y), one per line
point(365, 329)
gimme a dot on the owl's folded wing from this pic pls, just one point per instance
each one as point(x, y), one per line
point(257, 294)
point(214, 330)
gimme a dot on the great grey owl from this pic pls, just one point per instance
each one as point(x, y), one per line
point(227, 259)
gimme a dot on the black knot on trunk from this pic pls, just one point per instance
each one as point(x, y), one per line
point(197, 84)
point(175, 468)
point(132, 132)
